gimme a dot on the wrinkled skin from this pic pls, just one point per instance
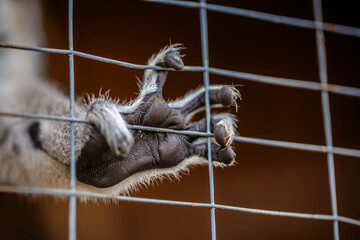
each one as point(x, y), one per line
point(99, 166)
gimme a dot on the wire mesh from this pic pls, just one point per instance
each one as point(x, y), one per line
point(205, 61)
point(72, 200)
point(324, 87)
point(321, 53)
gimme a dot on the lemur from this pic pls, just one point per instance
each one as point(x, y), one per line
point(110, 157)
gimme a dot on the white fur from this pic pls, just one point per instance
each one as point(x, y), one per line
point(149, 84)
point(145, 178)
point(105, 115)
point(189, 97)
point(56, 175)
point(229, 122)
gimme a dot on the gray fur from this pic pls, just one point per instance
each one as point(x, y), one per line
point(111, 158)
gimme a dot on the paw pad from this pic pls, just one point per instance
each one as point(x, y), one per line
point(227, 155)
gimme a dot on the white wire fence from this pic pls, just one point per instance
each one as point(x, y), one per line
point(323, 87)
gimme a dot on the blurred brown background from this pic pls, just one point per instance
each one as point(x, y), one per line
point(265, 177)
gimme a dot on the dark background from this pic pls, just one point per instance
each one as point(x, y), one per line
point(265, 177)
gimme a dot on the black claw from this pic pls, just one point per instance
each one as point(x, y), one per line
point(226, 96)
point(173, 60)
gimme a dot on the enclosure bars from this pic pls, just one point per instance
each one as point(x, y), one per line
point(333, 88)
point(297, 22)
point(321, 53)
point(323, 86)
point(259, 141)
point(64, 192)
point(205, 61)
point(72, 199)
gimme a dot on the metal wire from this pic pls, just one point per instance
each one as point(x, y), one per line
point(323, 86)
point(72, 200)
point(260, 141)
point(205, 61)
point(297, 22)
point(65, 192)
point(321, 53)
point(286, 82)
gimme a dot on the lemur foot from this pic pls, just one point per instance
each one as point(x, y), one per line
point(111, 155)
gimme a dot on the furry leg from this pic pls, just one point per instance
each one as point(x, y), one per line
point(154, 80)
point(104, 114)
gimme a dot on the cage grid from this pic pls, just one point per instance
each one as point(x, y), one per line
point(323, 87)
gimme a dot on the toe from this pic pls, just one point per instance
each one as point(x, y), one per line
point(223, 133)
point(226, 155)
point(173, 60)
point(219, 154)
